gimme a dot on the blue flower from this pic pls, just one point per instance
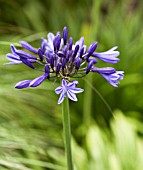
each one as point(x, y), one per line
point(68, 89)
point(109, 56)
point(59, 57)
point(33, 83)
point(20, 56)
point(110, 74)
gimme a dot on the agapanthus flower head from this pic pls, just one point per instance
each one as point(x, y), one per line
point(60, 57)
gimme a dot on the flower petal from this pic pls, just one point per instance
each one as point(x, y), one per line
point(50, 36)
point(114, 78)
point(28, 47)
point(12, 57)
point(76, 90)
point(92, 48)
point(65, 35)
point(27, 62)
point(75, 82)
point(64, 83)
point(59, 90)
point(47, 69)
point(25, 55)
point(105, 70)
point(61, 98)
point(23, 84)
point(40, 53)
point(36, 82)
point(71, 85)
point(13, 49)
point(108, 56)
point(71, 95)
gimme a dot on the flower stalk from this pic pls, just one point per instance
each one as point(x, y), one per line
point(67, 133)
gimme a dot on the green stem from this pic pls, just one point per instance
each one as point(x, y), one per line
point(87, 108)
point(67, 132)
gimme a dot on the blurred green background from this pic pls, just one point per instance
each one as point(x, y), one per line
point(106, 122)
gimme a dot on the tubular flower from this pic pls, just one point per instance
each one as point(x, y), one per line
point(61, 58)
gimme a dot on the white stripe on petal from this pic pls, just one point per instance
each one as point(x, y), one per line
point(114, 48)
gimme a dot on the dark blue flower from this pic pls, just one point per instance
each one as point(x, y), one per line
point(59, 57)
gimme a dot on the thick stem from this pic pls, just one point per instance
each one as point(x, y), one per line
point(67, 132)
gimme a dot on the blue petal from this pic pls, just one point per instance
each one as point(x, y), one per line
point(92, 48)
point(105, 70)
point(28, 47)
point(75, 82)
point(58, 67)
point(77, 62)
point(64, 61)
point(43, 44)
point(71, 95)
point(114, 78)
point(24, 54)
point(50, 36)
point(65, 35)
point(108, 56)
point(40, 53)
point(23, 84)
point(89, 66)
point(121, 74)
point(76, 48)
point(27, 62)
point(110, 80)
point(58, 90)
point(36, 82)
point(71, 85)
point(76, 90)
point(12, 57)
point(47, 69)
point(13, 49)
point(57, 41)
point(64, 83)
point(61, 98)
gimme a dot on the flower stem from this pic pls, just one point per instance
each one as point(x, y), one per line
point(87, 107)
point(67, 132)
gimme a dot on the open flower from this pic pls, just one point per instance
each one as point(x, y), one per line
point(68, 90)
point(110, 74)
point(59, 57)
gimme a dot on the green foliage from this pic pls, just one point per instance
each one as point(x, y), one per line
point(121, 149)
point(31, 121)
